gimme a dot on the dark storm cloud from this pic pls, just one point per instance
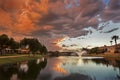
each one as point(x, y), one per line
point(40, 33)
point(103, 25)
point(112, 30)
point(64, 45)
point(80, 38)
point(114, 4)
point(2, 28)
point(84, 16)
point(51, 19)
point(72, 45)
point(91, 7)
point(110, 15)
point(116, 19)
point(112, 11)
point(47, 18)
point(54, 0)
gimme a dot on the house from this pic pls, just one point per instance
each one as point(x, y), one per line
point(102, 49)
point(113, 49)
point(11, 51)
point(110, 49)
point(24, 51)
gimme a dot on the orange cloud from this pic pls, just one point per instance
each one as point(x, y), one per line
point(28, 16)
point(41, 18)
point(58, 41)
point(24, 14)
point(24, 24)
point(5, 19)
point(44, 6)
point(19, 17)
point(12, 5)
point(46, 27)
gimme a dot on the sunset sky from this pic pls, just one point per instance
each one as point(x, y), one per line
point(61, 24)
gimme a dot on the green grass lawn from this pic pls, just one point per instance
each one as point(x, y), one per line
point(18, 59)
point(12, 54)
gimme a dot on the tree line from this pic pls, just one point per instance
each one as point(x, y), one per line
point(33, 44)
point(97, 50)
point(115, 38)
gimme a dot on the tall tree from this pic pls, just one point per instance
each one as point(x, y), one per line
point(34, 45)
point(13, 44)
point(43, 50)
point(3, 42)
point(115, 38)
point(94, 50)
point(111, 42)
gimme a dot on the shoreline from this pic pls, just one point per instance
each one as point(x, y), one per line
point(26, 57)
point(18, 58)
point(114, 56)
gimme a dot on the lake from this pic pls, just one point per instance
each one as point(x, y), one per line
point(62, 68)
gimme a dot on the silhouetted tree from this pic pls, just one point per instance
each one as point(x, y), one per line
point(43, 50)
point(111, 42)
point(86, 49)
point(31, 43)
point(13, 44)
point(115, 38)
point(3, 42)
point(94, 50)
point(34, 45)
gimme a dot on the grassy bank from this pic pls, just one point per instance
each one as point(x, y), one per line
point(17, 58)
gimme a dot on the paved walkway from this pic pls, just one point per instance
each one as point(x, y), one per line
point(12, 56)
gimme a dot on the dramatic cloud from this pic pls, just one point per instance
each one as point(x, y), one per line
point(114, 29)
point(112, 11)
point(52, 20)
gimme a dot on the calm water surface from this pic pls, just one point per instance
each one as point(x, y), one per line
point(62, 68)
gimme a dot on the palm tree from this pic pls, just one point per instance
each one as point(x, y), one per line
point(111, 42)
point(115, 38)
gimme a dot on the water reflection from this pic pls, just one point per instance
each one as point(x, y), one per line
point(114, 63)
point(50, 71)
point(74, 76)
point(55, 70)
point(14, 77)
point(62, 68)
point(40, 60)
point(24, 66)
point(65, 67)
point(26, 70)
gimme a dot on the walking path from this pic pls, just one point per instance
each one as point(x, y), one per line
point(1, 57)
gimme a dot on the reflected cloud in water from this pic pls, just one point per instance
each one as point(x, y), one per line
point(25, 70)
point(51, 70)
point(62, 68)
point(73, 68)
point(14, 77)
point(40, 60)
point(54, 70)
point(24, 66)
